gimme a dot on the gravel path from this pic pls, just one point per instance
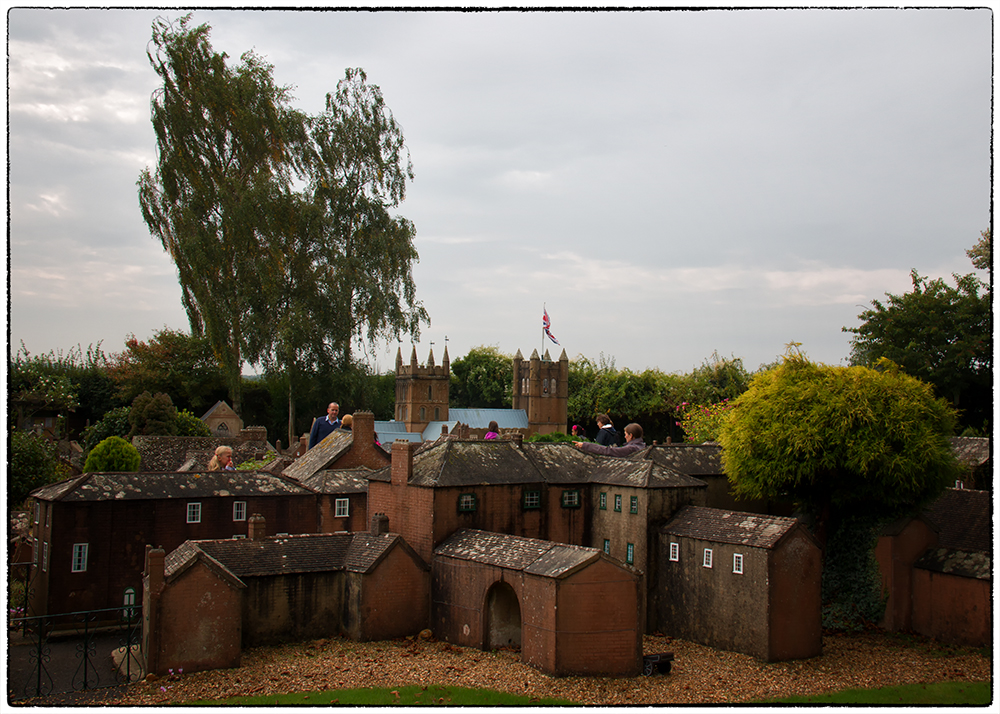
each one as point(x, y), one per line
point(700, 675)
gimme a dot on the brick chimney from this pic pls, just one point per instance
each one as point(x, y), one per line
point(155, 564)
point(380, 524)
point(256, 527)
point(402, 462)
point(363, 427)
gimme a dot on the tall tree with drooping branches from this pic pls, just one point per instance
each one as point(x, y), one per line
point(226, 150)
point(360, 166)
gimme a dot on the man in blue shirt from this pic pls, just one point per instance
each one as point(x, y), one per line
point(324, 426)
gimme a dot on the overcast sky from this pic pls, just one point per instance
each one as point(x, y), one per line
point(668, 184)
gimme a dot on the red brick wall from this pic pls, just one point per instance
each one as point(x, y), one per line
point(395, 598)
point(199, 623)
point(117, 533)
point(296, 606)
point(410, 510)
point(357, 509)
point(592, 638)
point(896, 555)
point(566, 625)
point(952, 609)
point(795, 609)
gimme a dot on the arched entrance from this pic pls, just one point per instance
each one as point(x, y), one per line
point(503, 617)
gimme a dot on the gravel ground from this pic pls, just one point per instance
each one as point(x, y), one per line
point(700, 675)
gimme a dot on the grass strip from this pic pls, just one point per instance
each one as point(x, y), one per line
point(413, 695)
point(935, 693)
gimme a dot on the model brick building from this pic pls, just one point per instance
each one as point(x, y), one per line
point(91, 532)
point(264, 590)
point(549, 599)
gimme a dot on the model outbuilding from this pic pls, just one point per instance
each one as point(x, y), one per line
point(740, 581)
point(553, 600)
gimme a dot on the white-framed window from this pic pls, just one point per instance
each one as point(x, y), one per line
point(633, 506)
point(194, 512)
point(532, 500)
point(618, 502)
point(630, 553)
point(239, 510)
point(571, 498)
point(738, 563)
point(467, 502)
point(45, 557)
point(607, 546)
point(38, 512)
point(80, 557)
point(341, 507)
point(675, 551)
point(48, 517)
point(35, 547)
point(603, 501)
point(707, 559)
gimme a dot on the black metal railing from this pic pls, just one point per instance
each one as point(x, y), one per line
point(74, 651)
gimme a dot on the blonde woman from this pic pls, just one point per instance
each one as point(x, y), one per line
point(223, 460)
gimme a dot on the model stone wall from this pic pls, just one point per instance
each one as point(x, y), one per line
point(952, 608)
point(395, 598)
point(298, 606)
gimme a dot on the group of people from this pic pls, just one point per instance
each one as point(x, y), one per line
point(606, 441)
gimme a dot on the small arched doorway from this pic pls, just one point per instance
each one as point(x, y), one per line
point(503, 617)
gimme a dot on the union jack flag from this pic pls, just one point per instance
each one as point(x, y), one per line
point(546, 323)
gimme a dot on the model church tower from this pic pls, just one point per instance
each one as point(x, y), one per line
point(421, 391)
point(541, 389)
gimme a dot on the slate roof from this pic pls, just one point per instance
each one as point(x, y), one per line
point(956, 562)
point(169, 453)
point(476, 462)
point(963, 519)
point(322, 456)
point(735, 527)
point(389, 431)
point(690, 459)
point(340, 481)
point(118, 486)
point(529, 555)
point(284, 555)
point(971, 450)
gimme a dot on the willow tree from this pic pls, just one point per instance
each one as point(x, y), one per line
point(226, 148)
point(358, 174)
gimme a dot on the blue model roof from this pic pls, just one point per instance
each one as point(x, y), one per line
point(481, 418)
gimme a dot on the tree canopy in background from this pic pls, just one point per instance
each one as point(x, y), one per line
point(225, 139)
point(482, 379)
point(839, 438)
point(270, 274)
point(170, 362)
point(940, 334)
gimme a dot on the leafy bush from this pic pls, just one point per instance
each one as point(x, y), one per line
point(113, 454)
point(701, 422)
point(153, 416)
point(852, 586)
point(190, 425)
point(256, 464)
point(113, 423)
point(34, 462)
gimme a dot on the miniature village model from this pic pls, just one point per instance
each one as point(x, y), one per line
point(392, 528)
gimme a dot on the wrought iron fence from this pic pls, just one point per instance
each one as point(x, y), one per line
point(74, 651)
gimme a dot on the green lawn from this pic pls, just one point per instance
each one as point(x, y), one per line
point(939, 693)
point(403, 696)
